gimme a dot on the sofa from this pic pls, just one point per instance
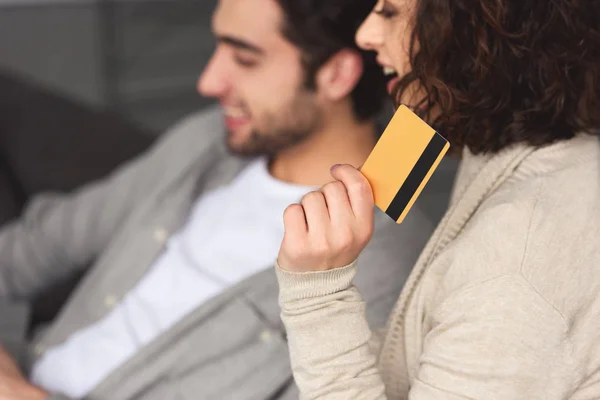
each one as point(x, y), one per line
point(49, 142)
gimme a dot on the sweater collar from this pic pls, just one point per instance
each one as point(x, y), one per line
point(561, 155)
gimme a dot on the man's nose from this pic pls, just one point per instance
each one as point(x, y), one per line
point(370, 34)
point(213, 82)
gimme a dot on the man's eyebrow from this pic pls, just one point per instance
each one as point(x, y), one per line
point(239, 44)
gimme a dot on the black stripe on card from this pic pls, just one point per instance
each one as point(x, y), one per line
point(416, 176)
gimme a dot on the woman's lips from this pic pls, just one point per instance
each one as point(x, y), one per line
point(392, 84)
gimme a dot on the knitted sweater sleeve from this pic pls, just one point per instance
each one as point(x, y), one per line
point(331, 346)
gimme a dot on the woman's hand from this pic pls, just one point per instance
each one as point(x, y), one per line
point(331, 226)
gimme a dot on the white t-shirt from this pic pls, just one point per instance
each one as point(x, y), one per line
point(231, 234)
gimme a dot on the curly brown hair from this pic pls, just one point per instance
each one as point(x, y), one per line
point(499, 72)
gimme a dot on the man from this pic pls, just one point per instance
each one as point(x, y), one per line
point(181, 300)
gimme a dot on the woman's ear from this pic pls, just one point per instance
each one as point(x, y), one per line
point(338, 77)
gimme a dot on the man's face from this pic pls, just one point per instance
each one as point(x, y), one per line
point(257, 76)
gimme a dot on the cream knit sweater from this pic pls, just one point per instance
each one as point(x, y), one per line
point(504, 302)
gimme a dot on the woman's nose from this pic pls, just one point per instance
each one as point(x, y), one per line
point(370, 34)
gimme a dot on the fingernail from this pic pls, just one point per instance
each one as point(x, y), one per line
point(334, 167)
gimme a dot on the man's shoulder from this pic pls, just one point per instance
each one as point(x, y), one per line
point(195, 132)
point(194, 137)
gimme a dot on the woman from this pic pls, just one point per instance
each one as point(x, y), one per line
point(504, 301)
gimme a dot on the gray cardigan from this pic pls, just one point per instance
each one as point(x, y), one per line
point(233, 346)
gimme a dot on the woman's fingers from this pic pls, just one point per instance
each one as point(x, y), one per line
point(316, 212)
point(359, 192)
point(332, 225)
point(338, 204)
point(294, 221)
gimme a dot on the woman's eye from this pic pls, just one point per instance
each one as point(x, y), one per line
point(387, 11)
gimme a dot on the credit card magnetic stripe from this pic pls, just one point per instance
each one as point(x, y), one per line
point(417, 178)
point(403, 160)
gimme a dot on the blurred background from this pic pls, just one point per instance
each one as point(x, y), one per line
point(85, 86)
point(136, 58)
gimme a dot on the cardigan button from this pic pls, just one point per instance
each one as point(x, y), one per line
point(39, 349)
point(160, 235)
point(266, 336)
point(110, 301)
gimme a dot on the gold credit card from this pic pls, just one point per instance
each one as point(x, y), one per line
point(402, 161)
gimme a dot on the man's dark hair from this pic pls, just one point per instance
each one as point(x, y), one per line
point(321, 28)
point(500, 72)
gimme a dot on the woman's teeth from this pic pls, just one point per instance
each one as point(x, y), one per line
point(389, 71)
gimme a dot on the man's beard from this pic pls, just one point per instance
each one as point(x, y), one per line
point(293, 124)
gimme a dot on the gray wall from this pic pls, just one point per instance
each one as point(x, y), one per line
point(56, 45)
point(140, 58)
